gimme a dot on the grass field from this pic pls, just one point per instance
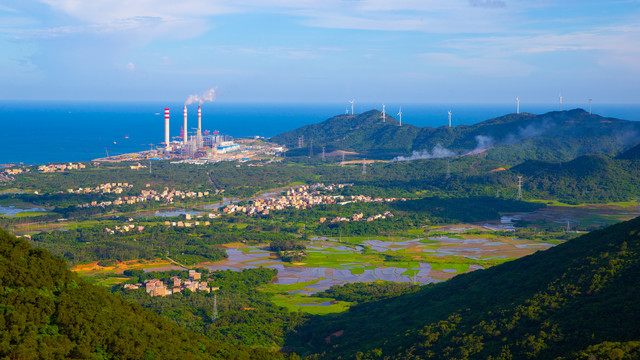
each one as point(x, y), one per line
point(283, 296)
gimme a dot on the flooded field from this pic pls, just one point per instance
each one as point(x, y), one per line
point(420, 260)
point(11, 210)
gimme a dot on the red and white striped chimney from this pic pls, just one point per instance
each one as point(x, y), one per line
point(199, 122)
point(166, 129)
point(184, 132)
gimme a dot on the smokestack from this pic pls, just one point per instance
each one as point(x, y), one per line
point(199, 135)
point(184, 135)
point(199, 121)
point(166, 129)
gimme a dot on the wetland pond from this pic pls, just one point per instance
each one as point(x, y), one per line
point(330, 262)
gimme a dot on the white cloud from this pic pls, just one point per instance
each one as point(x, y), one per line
point(495, 66)
point(131, 66)
point(108, 11)
point(436, 16)
point(7, 9)
point(610, 45)
point(295, 53)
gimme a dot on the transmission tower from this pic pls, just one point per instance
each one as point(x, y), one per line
point(301, 141)
point(342, 163)
point(214, 315)
point(519, 196)
point(364, 167)
point(323, 153)
point(311, 148)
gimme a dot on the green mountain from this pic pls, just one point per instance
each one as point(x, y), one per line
point(47, 312)
point(556, 136)
point(586, 179)
point(578, 300)
point(633, 153)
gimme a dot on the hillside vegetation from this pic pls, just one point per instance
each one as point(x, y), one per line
point(47, 312)
point(633, 153)
point(557, 136)
point(573, 301)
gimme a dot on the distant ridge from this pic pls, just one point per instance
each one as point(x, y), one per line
point(554, 136)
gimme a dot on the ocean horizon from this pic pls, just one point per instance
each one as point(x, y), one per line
point(46, 132)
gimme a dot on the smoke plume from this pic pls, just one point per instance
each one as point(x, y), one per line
point(531, 130)
point(207, 96)
point(484, 142)
point(437, 153)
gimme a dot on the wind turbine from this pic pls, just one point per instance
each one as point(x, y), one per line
point(351, 102)
point(590, 99)
point(346, 111)
point(560, 97)
point(449, 118)
point(384, 114)
point(400, 115)
point(517, 105)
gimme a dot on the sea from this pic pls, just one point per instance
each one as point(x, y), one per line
point(46, 132)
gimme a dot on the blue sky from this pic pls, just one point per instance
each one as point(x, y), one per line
point(432, 51)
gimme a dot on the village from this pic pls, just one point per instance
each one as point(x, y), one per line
point(167, 196)
point(303, 197)
point(60, 167)
point(155, 287)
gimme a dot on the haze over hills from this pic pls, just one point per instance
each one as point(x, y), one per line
point(555, 136)
point(569, 302)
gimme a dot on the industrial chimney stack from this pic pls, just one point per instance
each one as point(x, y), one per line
point(166, 129)
point(199, 135)
point(184, 131)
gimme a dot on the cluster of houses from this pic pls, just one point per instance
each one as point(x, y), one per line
point(302, 197)
point(359, 217)
point(60, 167)
point(123, 229)
point(108, 188)
point(190, 224)
point(155, 287)
point(186, 223)
point(137, 167)
point(16, 171)
point(167, 196)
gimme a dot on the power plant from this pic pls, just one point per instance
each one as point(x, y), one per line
point(200, 145)
point(195, 146)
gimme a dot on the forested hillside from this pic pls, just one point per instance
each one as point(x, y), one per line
point(633, 153)
point(557, 136)
point(47, 312)
point(574, 301)
point(587, 179)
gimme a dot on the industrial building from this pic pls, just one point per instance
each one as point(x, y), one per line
point(195, 145)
